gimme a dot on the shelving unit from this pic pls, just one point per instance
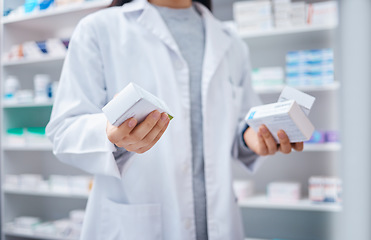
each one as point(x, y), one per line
point(309, 89)
point(288, 31)
point(66, 16)
point(29, 147)
point(12, 233)
point(27, 105)
point(322, 147)
point(268, 49)
point(44, 193)
point(302, 205)
point(46, 59)
point(35, 158)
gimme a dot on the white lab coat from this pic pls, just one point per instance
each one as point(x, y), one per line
point(149, 196)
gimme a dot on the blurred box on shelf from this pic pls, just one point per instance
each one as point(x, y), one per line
point(59, 184)
point(11, 87)
point(69, 228)
point(35, 50)
point(317, 137)
point(324, 136)
point(11, 181)
point(44, 90)
point(253, 16)
point(36, 136)
point(332, 136)
point(34, 7)
point(80, 184)
point(323, 13)
point(284, 192)
point(30, 181)
point(15, 136)
point(243, 189)
point(325, 189)
point(310, 67)
point(22, 137)
point(268, 76)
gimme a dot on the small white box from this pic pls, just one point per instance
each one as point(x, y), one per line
point(133, 101)
point(286, 115)
point(243, 189)
point(284, 191)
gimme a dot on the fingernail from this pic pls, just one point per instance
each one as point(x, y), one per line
point(281, 135)
point(131, 123)
point(264, 130)
point(156, 115)
point(164, 117)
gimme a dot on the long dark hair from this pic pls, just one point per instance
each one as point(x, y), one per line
point(206, 3)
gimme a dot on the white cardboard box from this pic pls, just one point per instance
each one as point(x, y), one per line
point(286, 115)
point(133, 101)
point(284, 191)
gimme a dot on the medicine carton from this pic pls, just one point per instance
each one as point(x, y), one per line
point(133, 101)
point(284, 192)
point(286, 115)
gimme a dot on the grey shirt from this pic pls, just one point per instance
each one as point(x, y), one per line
point(187, 28)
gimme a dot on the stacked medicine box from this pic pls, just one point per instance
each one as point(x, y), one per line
point(310, 67)
point(252, 16)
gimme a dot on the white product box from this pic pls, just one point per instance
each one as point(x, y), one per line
point(323, 13)
point(284, 191)
point(30, 181)
point(243, 189)
point(316, 189)
point(133, 101)
point(287, 116)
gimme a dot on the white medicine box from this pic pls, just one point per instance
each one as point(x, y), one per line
point(133, 101)
point(286, 115)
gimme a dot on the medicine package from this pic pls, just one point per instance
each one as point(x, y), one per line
point(289, 114)
point(133, 101)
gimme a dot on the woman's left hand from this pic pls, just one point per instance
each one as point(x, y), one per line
point(263, 143)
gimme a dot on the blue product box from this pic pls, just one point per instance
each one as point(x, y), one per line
point(42, 46)
point(46, 4)
point(317, 137)
point(30, 5)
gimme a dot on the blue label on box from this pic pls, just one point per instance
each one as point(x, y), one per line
point(252, 115)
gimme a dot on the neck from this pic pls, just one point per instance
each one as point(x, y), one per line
point(172, 3)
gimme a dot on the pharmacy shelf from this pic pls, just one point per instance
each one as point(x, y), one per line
point(46, 59)
point(322, 147)
point(27, 105)
point(28, 147)
point(287, 31)
point(13, 233)
point(67, 15)
point(8, 190)
point(278, 89)
point(302, 205)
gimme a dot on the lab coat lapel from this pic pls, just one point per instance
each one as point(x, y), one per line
point(217, 44)
point(152, 21)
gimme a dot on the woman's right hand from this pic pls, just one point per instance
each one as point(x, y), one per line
point(138, 138)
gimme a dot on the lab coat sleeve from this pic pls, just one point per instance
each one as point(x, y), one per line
point(249, 99)
point(78, 127)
